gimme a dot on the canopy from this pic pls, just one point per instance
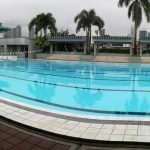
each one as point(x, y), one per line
point(4, 28)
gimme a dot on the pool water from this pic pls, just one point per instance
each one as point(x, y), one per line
point(101, 89)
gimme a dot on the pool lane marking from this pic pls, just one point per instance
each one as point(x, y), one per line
point(99, 68)
point(90, 72)
point(69, 86)
point(80, 71)
point(80, 67)
point(87, 66)
point(76, 108)
point(98, 79)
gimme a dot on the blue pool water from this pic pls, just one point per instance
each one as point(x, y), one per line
point(100, 89)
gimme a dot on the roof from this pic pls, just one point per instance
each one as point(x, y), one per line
point(67, 38)
point(145, 40)
point(112, 39)
point(4, 28)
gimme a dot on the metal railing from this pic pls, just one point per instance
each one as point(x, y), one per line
point(19, 53)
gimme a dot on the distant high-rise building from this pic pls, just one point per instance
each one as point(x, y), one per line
point(5, 35)
point(31, 33)
point(102, 32)
point(148, 34)
point(8, 34)
point(18, 31)
point(13, 33)
point(142, 34)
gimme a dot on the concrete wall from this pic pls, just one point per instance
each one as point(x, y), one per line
point(42, 56)
point(15, 41)
point(20, 56)
point(18, 42)
point(30, 55)
point(8, 57)
point(58, 57)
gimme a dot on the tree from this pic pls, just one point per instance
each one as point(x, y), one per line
point(85, 19)
point(48, 22)
point(41, 42)
point(136, 8)
point(43, 22)
point(34, 23)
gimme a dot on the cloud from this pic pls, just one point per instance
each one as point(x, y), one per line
point(14, 12)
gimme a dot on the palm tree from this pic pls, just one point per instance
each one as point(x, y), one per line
point(43, 22)
point(136, 8)
point(34, 23)
point(85, 19)
point(48, 22)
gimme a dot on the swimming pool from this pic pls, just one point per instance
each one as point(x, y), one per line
point(87, 88)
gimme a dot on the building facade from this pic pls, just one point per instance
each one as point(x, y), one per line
point(31, 33)
point(142, 34)
point(13, 33)
point(16, 45)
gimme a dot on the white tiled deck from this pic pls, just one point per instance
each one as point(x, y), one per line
point(75, 128)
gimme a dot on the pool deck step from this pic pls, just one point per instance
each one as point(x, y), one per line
point(12, 138)
point(102, 58)
point(64, 57)
point(76, 129)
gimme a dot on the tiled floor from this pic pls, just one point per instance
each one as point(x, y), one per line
point(77, 129)
point(13, 139)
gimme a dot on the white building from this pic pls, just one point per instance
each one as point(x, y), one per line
point(16, 44)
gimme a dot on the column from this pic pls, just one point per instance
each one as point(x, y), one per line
point(131, 50)
point(5, 48)
point(51, 48)
point(84, 47)
point(95, 48)
point(30, 48)
point(56, 47)
point(141, 49)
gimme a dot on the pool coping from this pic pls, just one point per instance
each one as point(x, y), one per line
point(98, 61)
point(75, 126)
point(61, 114)
point(74, 142)
point(101, 58)
point(101, 61)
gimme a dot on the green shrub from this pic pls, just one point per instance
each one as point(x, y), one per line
point(108, 50)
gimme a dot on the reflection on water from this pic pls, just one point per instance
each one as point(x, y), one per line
point(137, 103)
point(4, 84)
point(37, 90)
point(87, 98)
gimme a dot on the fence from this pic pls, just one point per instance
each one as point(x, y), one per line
point(18, 53)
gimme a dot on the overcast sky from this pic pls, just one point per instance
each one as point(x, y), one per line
point(14, 12)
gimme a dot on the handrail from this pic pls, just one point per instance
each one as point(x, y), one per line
point(107, 37)
point(17, 53)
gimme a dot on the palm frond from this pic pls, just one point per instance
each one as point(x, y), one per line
point(42, 22)
point(32, 23)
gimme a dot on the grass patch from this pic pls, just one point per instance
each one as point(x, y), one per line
point(86, 57)
point(134, 59)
